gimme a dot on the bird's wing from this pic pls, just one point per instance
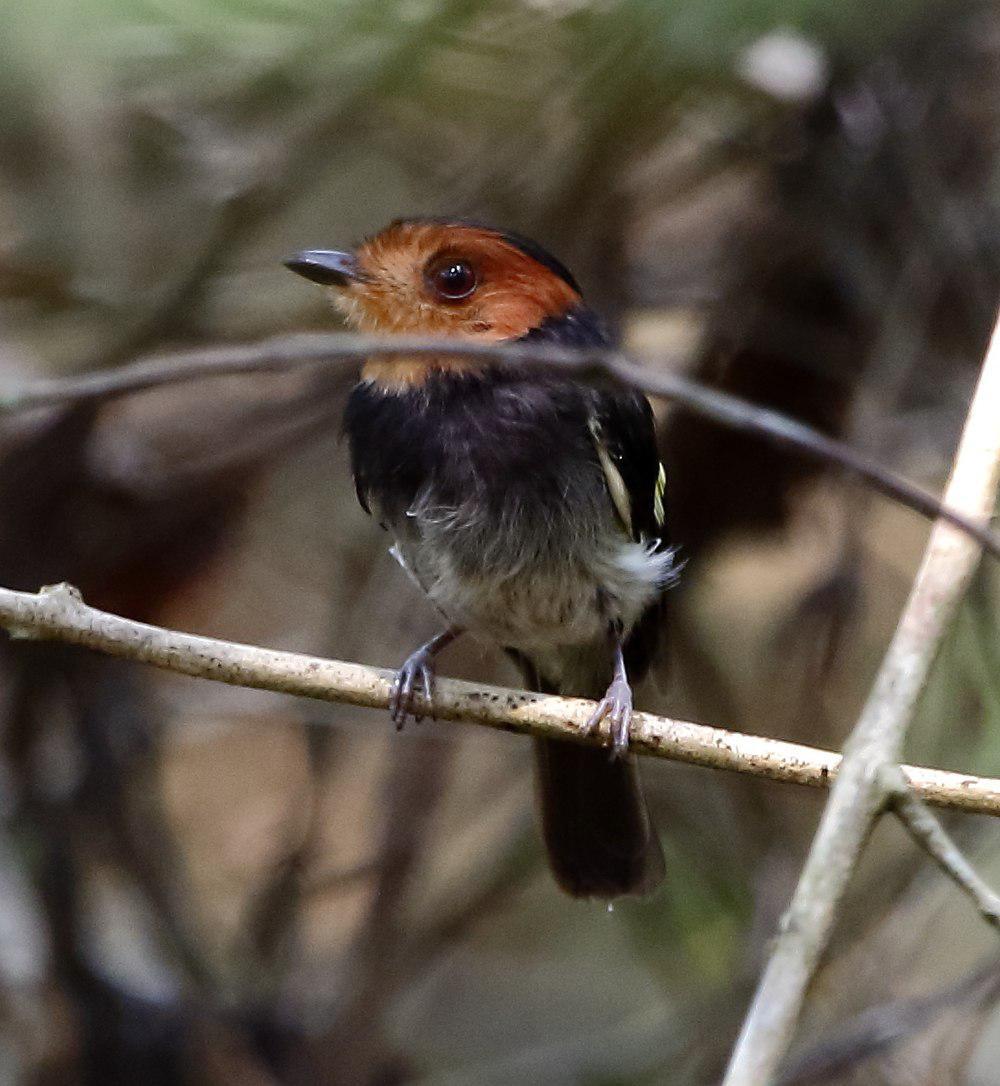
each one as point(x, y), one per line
point(622, 427)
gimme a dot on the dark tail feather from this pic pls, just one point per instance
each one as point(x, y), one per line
point(595, 824)
point(594, 821)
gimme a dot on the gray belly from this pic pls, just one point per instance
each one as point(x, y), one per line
point(529, 579)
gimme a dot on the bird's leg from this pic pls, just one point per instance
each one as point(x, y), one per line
point(616, 705)
point(418, 667)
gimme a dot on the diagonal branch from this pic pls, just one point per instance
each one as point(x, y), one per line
point(926, 829)
point(874, 746)
point(58, 613)
point(594, 363)
point(878, 1029)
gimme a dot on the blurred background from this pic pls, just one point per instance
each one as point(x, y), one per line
point(793, 200)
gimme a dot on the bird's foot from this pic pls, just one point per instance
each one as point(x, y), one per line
point(616, 708)
point(416, 674)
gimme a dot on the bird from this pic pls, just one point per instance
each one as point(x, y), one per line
point(527, 505)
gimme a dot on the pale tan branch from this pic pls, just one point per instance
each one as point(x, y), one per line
point(589, 363)
point(926, 829)
point(859, 793)
point(58, 613)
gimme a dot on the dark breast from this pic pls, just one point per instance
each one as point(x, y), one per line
point(500, 439)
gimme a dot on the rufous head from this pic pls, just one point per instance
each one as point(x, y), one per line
point(443, 278)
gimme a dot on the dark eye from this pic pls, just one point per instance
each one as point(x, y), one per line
point(451, 279)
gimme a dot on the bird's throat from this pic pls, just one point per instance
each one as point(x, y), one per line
point(407, 372)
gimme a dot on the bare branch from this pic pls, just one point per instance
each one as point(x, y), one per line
point(874, 746)
point(58, 613)
point(925, 828)
point(877, 1029)
point(588, 363)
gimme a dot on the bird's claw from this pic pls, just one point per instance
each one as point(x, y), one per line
point(417, 669)
point(616, 708)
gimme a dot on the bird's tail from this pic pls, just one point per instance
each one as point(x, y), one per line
point(595, 824)
point(594, 821)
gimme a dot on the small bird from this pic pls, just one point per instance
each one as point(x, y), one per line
point(526, 505)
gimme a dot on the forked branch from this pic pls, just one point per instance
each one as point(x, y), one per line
point(862, 787)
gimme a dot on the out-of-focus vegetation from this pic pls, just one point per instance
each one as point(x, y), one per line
point(208, 885)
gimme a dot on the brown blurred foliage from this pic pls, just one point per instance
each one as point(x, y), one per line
point(211, 886)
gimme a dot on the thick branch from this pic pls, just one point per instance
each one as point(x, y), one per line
point(590, 363)
point(58, 613)
point(874, 746)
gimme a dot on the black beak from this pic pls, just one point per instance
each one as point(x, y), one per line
point(325, 266)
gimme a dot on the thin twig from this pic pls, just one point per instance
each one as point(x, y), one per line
point(859, 792)
point(877, 1029)
point(587, 363)
point(926, 829)
point(58, 613)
